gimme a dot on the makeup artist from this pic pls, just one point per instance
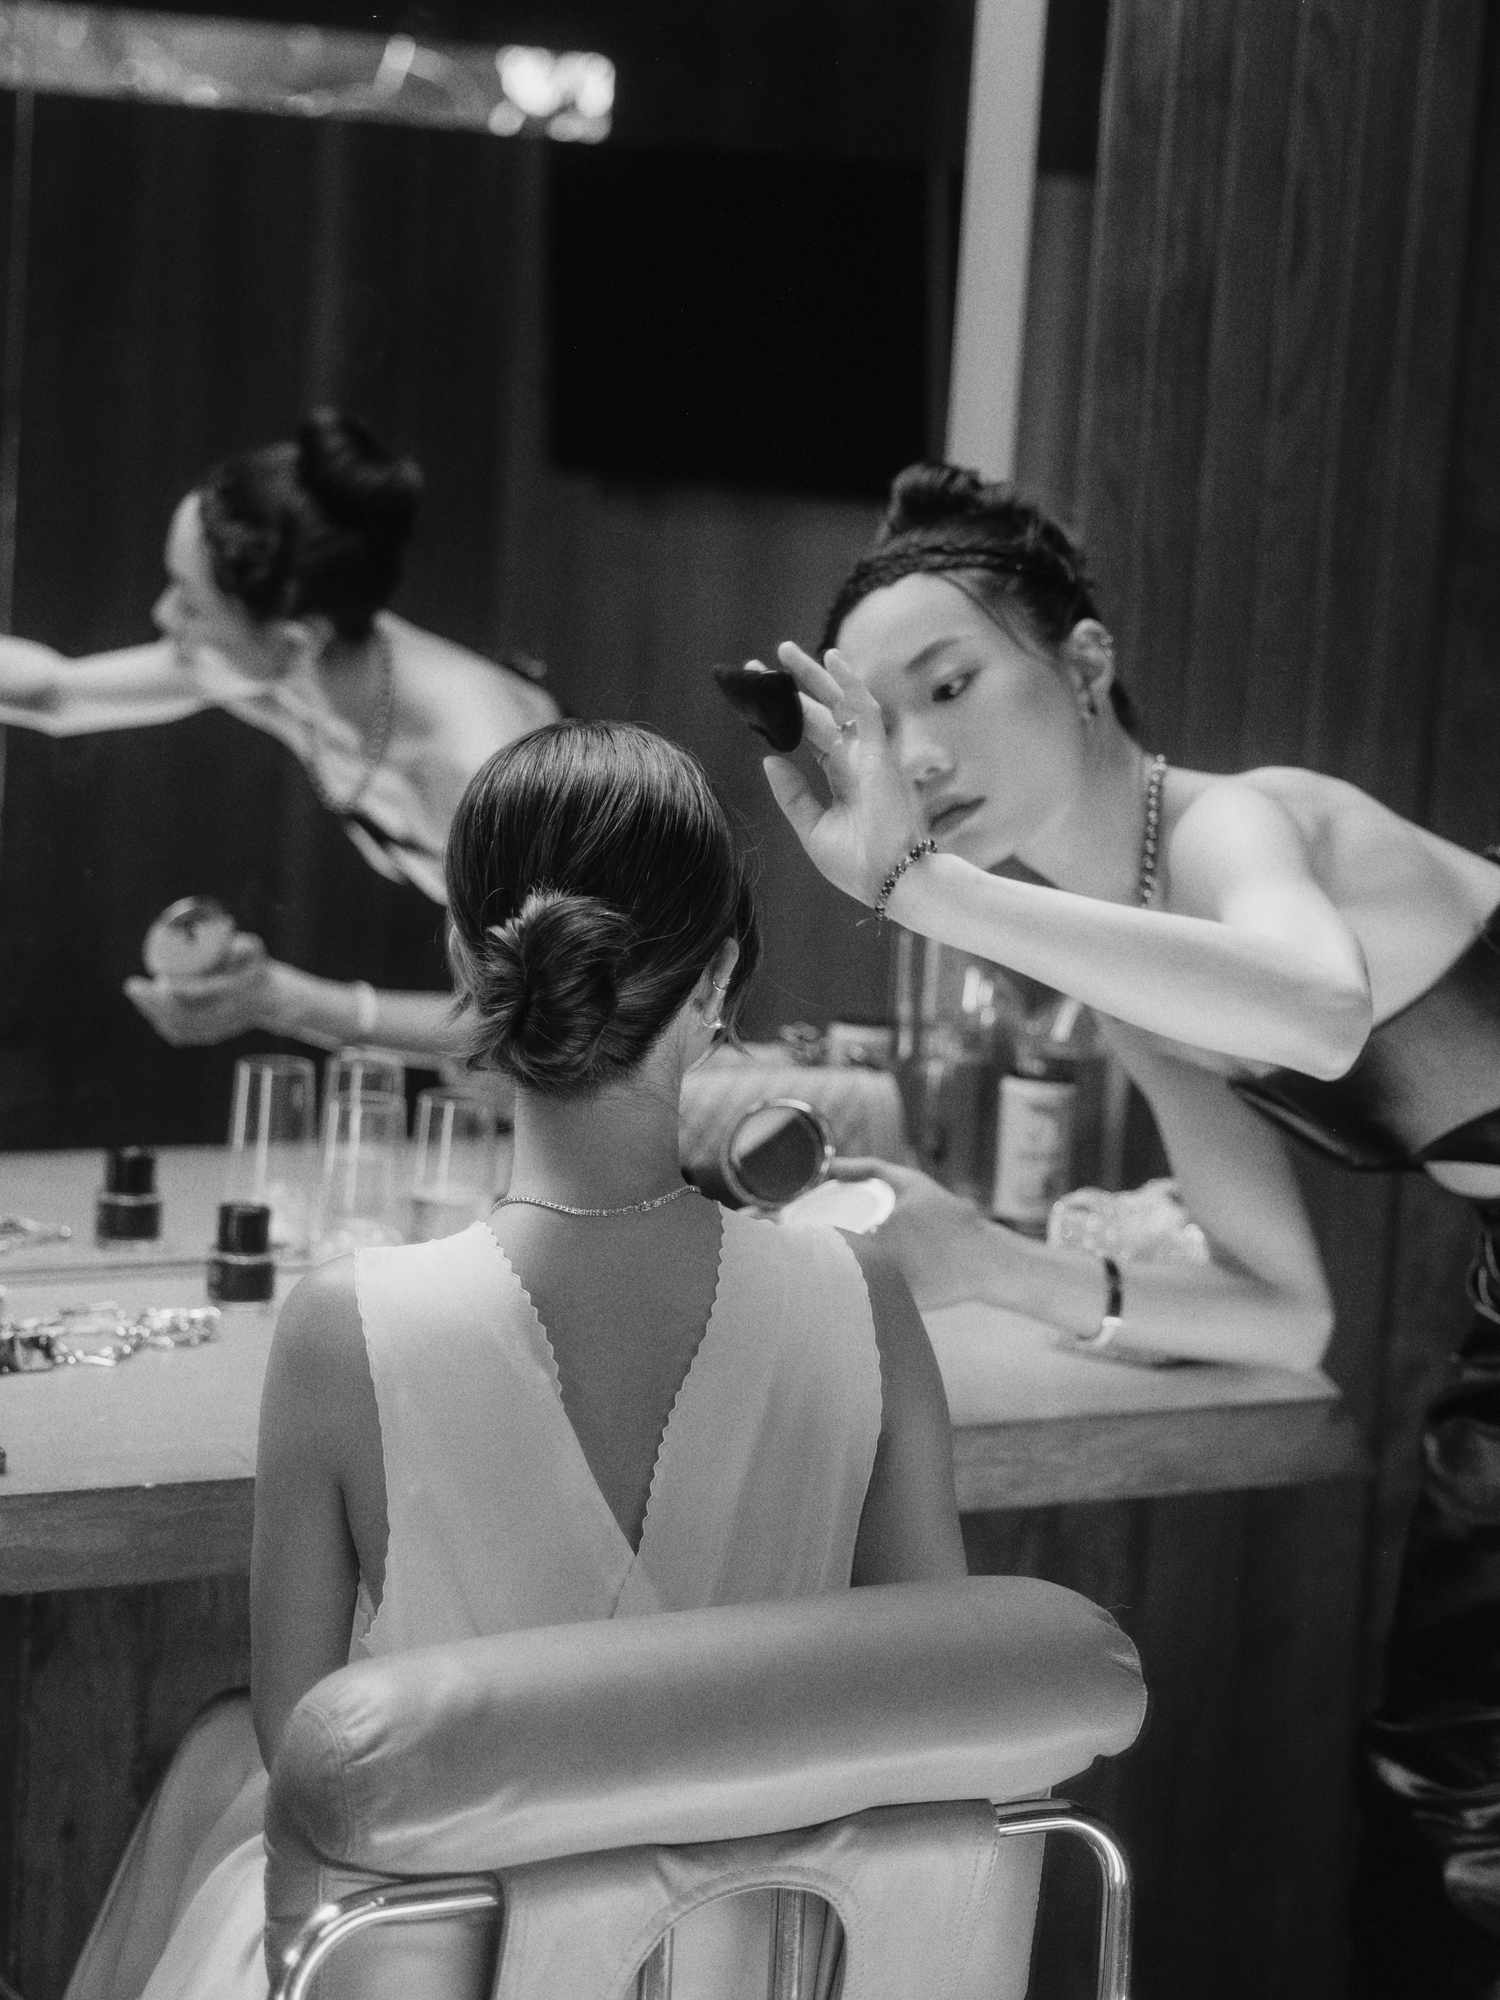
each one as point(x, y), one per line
point(280, 566)
point(1273, 951)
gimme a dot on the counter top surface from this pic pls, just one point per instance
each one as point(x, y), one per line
point(144, 1471)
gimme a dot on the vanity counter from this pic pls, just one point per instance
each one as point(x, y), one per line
point(144, 1473)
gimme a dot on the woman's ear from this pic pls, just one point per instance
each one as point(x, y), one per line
point(1088, 655)
point(712, 987)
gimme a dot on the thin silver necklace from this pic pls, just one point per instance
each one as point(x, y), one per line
point(1145, 884)
point(373, 749)
point(622, 1208)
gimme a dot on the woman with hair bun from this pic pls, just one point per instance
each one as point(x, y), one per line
point(280, 567)
point(1270, 948)
point(610, 1398)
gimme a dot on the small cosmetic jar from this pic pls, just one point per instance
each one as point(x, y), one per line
point(241, 1268)
point(129, 1208)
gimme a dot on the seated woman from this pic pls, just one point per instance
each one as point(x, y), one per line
point(279, 568)
point(1241, 933)
point(613, 1397)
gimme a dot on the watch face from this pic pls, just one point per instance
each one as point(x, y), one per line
point(189, 939)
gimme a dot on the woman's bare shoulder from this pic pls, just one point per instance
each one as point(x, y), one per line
point(318, 1330)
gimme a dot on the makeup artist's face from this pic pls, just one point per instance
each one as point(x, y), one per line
point(987, 729)
point(209, 631)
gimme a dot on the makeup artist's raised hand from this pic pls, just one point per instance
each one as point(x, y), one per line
point(871, 817)
point(215, 1006)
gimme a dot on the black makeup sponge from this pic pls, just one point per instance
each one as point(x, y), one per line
point(768, 700)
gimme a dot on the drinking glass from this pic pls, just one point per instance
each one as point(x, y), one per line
point(454, 1162)
point(271, 1152)
point(354, 1070)
point(364, 1138)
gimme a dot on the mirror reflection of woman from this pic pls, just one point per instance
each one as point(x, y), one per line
point(280, 567)
point(1269, 949)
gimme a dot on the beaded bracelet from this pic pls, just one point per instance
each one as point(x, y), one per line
point(1114, 1309)
point(912, 854)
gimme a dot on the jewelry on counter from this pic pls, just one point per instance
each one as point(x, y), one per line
point(19, 1232)
point(622, 1208)
point(912, 854)
point(1114, 1309)
point(1145, 884)
point(373, 747)
point(100, 1335)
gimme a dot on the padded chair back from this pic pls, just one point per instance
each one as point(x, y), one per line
point(604, 1781)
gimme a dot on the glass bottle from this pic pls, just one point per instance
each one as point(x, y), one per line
point(956, 1022)
point(1047, 1110)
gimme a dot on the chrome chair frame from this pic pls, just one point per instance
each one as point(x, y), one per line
point(473, 1895)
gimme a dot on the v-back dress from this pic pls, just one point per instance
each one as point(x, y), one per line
point(496, 1522)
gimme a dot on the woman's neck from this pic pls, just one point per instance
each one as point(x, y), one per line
point(618, 1145)
point(354, 676)
point(1093, 846)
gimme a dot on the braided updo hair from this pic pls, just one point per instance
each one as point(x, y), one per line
point(592, 875)
point(317, 525)
point(1008, 557)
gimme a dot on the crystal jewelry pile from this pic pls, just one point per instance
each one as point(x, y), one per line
point(100, 1335)
point(19, 1232)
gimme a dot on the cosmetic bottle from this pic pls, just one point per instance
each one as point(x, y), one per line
point(128, 1210)
point(241, 1268)
point(1041, 1118)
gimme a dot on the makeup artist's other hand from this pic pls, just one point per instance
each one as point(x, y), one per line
point(239, 995)
point(947, 1251)
point(872, 816)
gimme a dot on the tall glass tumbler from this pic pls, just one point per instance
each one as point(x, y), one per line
point(359, 1199)
point(352, 1071)
point(454, 1162)
point(272, 1157)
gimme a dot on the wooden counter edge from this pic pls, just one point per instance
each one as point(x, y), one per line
point(1140, 1455)
point(98, 1538)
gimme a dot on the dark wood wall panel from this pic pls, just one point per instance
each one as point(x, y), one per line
point(1292, 338)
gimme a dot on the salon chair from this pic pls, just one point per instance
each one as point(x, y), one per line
point(529, 1816)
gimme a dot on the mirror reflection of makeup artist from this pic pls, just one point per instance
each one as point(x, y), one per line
point(280, 566)
point(1271, 949)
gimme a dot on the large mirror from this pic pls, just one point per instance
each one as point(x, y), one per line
point(655, 367)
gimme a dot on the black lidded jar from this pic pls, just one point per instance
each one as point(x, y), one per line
point(241, 1268)
point(129, 1208)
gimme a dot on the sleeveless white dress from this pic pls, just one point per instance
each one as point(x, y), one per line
point(496, 1524)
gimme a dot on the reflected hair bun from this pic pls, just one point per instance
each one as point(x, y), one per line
point(545, 988)
point(354, 479)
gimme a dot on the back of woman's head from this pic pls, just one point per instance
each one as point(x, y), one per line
point(313, 527)
point(592, 875)
point(1014, 561)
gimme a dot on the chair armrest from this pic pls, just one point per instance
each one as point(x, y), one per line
point(699, 1725)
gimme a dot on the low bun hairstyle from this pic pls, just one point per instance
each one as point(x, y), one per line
point(1015, 562)
point(592, 875)
point(315, 526)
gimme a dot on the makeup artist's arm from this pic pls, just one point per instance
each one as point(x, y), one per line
point(132, 689)
point(1262, 1299)
point(257, 991)
point(1265, 969)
